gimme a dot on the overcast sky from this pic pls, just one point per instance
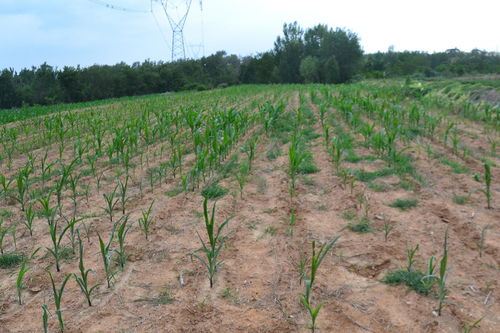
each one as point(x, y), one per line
point(85, 32)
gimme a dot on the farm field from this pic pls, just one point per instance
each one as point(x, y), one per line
point(396, 183)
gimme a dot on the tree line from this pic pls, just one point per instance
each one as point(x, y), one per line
point(316, 55)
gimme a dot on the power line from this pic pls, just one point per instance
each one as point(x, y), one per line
point(123, 9)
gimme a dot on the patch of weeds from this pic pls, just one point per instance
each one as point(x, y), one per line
point(378, 187)
point(348, 215)
point(407, 186)
point(67, 253)
point(455, 167)
point(309, 134)
point(9, 260)
point(269, 211)
point(270, 230)
point(322, 208)
point(352, 158)
point(229, 167)
point(261, 185)
point(308, 181)
point(173, 230)
point(274, 151)
point(175, 192)
point(413, 279)
point(5, 213)
point(404, 204)
point(214, 191)
point(307, 165)
point(460, 199)
point(252, 225)
point(362, 226)
point(228, 294)
point(165, 297)
point(367, 176)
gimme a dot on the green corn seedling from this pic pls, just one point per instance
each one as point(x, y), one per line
point(83, 279)
point(469, 327)
point(145, 220)
point(123, 193)
point(487, 180)
point(111, 202)
point(56, 238)
point(410, 258)
point(20, 276)
point(30, 216)
point(45, 318)
point(3, 231)
point(58, 297)
point(121, 234)
point(441, 279)
point(106, 252)
point(316, 259)
point(211, 249)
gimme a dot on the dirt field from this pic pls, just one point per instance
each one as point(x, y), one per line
point(258, 286)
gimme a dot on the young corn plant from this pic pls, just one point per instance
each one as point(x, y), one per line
point(57, 238)
point(316, 259)
point(111, 202)
point(441, 279)
point(30, 216)
point(5, 186)
point(211, 249)
point(121, 234)
point(122, 192)
point(20, 276)
point(146, 220)
point(242, 177)
point(106, 253)
point(3, 232)
point(295, 158)
point(45, 318)
point(487, 180)
point(58, 297)
point(83, 279)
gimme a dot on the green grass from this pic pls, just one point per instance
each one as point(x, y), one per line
point(5, 213)
point(455, 167)
point(175, 192)
point(459, 199)
point(404, 204)
point(378, 187)
point(214, 191)
point(9, 260)
point(307, 165)
point(361, 227)
point(348, 215)
point(368, 176)
point(412, 279)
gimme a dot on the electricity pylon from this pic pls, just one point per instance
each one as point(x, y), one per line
point(177, 13)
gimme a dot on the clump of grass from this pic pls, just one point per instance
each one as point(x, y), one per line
point(363, 226)
point(412, 277)
point(368, 176)
point(404, 204)
point(9, 260)
point(175, 192)
point(274, 151)
point(165, 297)
point(460, 199)
point(214, 191)
point(455, 167)
point(348, 215)
point(270, 230)
point(377, 187)
point(229, 294)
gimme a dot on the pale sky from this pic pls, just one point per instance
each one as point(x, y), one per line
point(85, 32)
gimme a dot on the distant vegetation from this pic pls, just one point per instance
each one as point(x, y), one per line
point(319, 54)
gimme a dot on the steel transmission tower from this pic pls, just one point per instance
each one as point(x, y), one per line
point(177, 13)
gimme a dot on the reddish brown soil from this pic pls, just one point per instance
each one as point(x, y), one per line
point(258, 287)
